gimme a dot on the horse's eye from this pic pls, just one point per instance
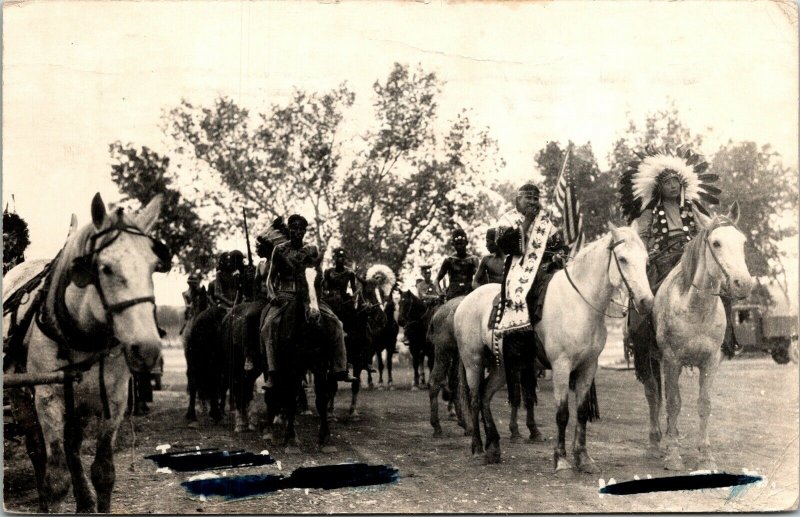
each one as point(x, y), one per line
point(106, 270)
point(623, 260)
point(715, 244)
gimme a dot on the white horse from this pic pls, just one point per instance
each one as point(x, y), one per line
point(690, 326)
point(97, 321)
point(572, 331)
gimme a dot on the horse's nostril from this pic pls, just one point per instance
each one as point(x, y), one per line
point(135, 349)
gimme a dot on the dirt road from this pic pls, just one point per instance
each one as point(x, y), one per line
point(754, 426)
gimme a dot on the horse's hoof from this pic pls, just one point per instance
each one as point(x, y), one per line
point(565, 473)
point(329, 449)
point(707, 464)
point(437, 432)
point(252, 427)
point(332, 418)
point(492, 454)
point(193, 424)
point(391, 387)
point(588, 466)
point(536, 437)
point(673, 462)
point(653, 452)
point(515, 438)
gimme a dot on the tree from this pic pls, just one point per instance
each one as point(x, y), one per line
point(596, 190)
point(142, 174)
point(284, 161)
point(767, 192)
point(407, 182)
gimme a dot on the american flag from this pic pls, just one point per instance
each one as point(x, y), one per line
point(567, 202)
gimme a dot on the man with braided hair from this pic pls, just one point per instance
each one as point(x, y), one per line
point(287, 270)
point(459, 268)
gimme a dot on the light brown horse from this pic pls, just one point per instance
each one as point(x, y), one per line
point(690, 327)
point(97, 320)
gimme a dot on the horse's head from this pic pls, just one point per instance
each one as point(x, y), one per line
point(111, 264)
point(627, 266)
point(408, 300)
point(723, 254)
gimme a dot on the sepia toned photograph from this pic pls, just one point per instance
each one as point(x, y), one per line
point(523, 257)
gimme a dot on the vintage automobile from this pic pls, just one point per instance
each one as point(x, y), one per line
point(767, 324)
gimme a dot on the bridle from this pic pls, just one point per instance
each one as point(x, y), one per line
point(727, 285)
point(611, 253)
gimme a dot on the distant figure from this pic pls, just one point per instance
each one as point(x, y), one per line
point(459, 268)
point(490, 270)
point(15, 240)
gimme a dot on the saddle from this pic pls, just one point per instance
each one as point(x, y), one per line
point(13, 348)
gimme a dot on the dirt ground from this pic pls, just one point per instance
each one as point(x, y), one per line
point(754, 427)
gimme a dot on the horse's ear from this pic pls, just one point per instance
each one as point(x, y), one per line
point(703, 220)
point(611, 226)
point(635, 226)
point(73, 225)
point(98, 211)
point(147, 216)
point(733, 212)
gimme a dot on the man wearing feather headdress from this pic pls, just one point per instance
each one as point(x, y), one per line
point(459, 268)
point(664, 192)
point(287, 266)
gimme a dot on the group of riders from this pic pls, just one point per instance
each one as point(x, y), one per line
point(666, 224)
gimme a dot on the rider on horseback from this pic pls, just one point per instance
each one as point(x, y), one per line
point(490, 270)
point(427, 291)
point(287, 270)
point(192, 297)
point(459, 268)
point(663, 193)
point(513, 231)
point(335, 282)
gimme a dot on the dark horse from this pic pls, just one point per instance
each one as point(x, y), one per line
point(386, 340)
point(415, 316)
point(369, 324)
point(202, 343)
point(304, 336)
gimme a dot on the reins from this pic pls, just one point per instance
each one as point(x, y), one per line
point(611, 253)
point(725, 273)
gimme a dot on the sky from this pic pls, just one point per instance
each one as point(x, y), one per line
point(80, 75)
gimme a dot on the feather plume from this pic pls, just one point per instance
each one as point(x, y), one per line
point(381, 276)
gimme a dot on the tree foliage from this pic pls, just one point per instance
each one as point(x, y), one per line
point(142, 174)
point(271, 164)
point(766, 191)
point(596, 190)
point(408, 182)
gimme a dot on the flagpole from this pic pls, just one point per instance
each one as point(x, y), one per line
point(560, 174)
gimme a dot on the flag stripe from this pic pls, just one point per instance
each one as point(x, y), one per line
point(567, 202)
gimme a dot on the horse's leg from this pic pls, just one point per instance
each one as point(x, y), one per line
point(73, 438)
point(652, 391)
point(514, 396)
point(290, 406)
point(273, 407)
point(191, 415)
point(561, 372)
point(494, 382)
point(389, 355)
point(321, 387)
point(438, 377)
point(528, 388)
point(708, 373)
point(583, 384)
point(474, 378)
point(103, 472)
point(355, 387)
point(34, 444)
point(430, 357)
point(415, 361)
point(672, 373)
point(50, 413)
